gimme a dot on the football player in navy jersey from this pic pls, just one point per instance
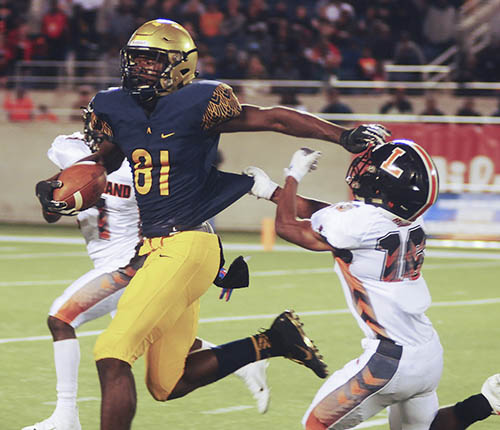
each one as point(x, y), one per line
point(168, 127)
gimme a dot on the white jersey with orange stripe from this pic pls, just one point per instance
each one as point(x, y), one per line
point(111, 228)
point(383, 286)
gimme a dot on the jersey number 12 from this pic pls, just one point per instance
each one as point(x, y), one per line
point(403, 258)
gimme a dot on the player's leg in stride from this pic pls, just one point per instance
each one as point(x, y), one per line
point(253, 375)
point(91, 296)
point(285, 338)
point(67, 360)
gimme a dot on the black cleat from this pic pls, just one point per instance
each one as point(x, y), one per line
point(294, 343)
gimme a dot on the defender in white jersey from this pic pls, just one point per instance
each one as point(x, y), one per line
point(378, 241)
point(112, 232)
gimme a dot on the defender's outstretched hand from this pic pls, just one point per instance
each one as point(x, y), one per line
point(360, 138)
point(303, 161)
point(263, 187)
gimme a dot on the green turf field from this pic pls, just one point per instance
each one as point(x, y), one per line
point(466, 313)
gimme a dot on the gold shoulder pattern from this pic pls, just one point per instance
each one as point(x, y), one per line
point(99, 125)
point(223, 106)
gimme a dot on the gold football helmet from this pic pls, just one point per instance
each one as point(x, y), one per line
point(159, 58)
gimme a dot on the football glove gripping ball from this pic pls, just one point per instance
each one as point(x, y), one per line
point(44, 191)
point(263, 186)
point(358, 139)
point(303, 161)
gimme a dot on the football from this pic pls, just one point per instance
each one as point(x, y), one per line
point(83, 184)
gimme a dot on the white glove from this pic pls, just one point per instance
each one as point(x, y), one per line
point(303, 161)
point(263, 187)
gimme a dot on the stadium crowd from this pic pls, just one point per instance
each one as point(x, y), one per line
point(247, 39)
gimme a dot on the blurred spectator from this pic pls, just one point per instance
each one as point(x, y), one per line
point(334, 104)
point(283, 67)
point(349, 67)
point(20, 42)
point(121, 23)
point(331, 10)
point(85, 94)
point(232, 26)
point(289, 98)
point(405, 16)
point(468, 108)
point(367, 64)
point(255, 68)
point(207, 67)
point(277, 16)
point(381, 42)
point(325, 56)
point(44, 114)
point(6, 17)
point(210, 21)
point(85, 39)
point(20, 108)
point(438, 27)
point(232, 64)
point(256, 26)
point(301, 23)
point(398, 104)
point(55, 28)
point(408, 53)
point(191, 12)
point(431, 106)
point(170, 9)
point(6, 59)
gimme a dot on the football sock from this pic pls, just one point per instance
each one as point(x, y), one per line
point(67, 360)
point(233, 355)
point(475, 408)
point(267, 345)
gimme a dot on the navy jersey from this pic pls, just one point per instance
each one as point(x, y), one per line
point(172, 153)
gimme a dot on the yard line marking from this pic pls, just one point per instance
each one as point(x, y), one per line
point(33, 338)
point(258, 248)
point(246, 246)
point(461, 254)
point(43, 255)
point(262, 273)
point(227, 410)
point(8, 248)
point(243, 248)
point(79, 399)
point(491, 301)
point(43, 239)
point(38, 282)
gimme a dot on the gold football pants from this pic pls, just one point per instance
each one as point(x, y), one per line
point(158, 312)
